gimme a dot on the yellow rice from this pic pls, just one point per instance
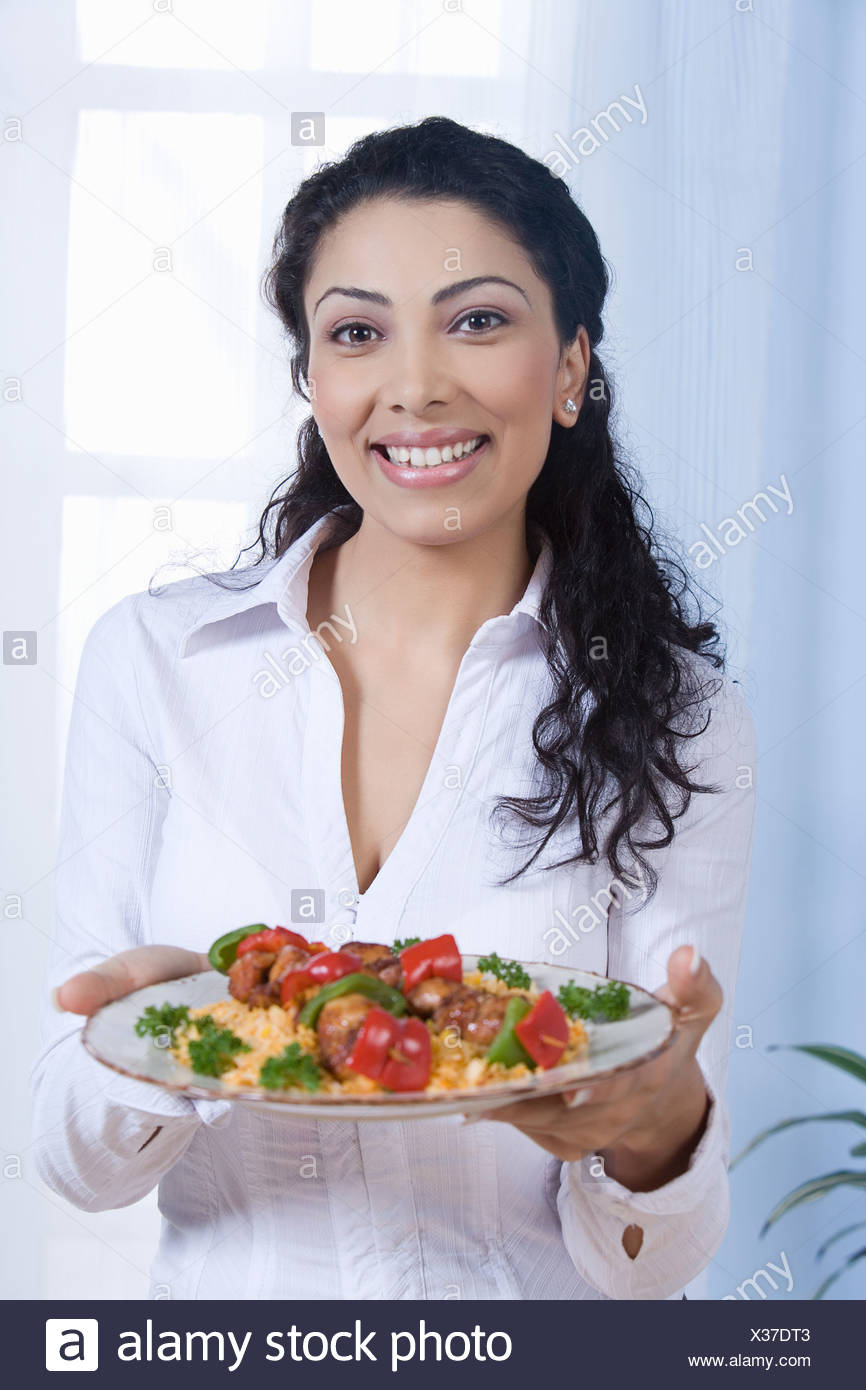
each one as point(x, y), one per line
point(455, 1062)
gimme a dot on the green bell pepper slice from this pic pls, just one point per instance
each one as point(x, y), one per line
point(224, 950)
point(506, 1046)
point(390, 999)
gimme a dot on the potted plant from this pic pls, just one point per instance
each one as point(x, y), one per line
point(814, 1188)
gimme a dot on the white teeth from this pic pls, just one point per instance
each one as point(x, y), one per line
point(431, 458)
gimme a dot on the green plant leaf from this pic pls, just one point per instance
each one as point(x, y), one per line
point(837, 1274)
point(811, 1190)
point(841, 1057)
point(845, 1231)
point(855, 1117)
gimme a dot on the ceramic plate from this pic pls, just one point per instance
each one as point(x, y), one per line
point(613, 1047)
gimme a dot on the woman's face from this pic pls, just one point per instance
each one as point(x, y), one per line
point(430, 331)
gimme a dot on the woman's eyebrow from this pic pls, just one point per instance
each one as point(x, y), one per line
point(449, 291)
point(372, 296)
point(461, 285)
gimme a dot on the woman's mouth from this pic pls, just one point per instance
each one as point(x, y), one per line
point(430, 465)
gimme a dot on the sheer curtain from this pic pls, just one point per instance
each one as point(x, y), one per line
point(149, 150)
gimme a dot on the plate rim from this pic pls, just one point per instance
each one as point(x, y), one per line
point(521, 1088)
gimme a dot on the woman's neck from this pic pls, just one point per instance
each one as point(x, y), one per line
point(404, 591)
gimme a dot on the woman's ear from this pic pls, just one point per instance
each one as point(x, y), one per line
point(571, 379)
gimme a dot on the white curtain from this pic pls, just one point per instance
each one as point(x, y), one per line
point(718, 150)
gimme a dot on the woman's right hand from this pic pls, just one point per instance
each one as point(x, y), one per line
point(125, 972)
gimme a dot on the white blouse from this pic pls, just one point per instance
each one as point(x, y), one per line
point(202, 790)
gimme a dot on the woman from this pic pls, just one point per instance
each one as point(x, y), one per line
point(494, 715)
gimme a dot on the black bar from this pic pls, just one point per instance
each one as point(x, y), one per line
point(600, 1343)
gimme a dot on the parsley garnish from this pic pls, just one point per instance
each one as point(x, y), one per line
point(293, 1067)
point(609, 1001)
point(401, 945)
point(511, 972)
point(162, 1021)
point(213, 1052)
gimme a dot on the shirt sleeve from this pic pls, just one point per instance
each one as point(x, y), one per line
point(100, 1139)
point(700, 899)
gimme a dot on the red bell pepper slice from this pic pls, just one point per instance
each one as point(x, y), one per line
point(395, 1052)
point(376, 1036)
point(439, 956)
point(544, 1030)
point(272, 939)
point(409, 1058)
point(323, 969)
point(332, 965)
point(295, 982)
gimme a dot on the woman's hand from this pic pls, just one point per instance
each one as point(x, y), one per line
point(125, 972)
point(647, 1122)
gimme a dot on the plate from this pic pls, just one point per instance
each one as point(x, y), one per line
point(109, 1035)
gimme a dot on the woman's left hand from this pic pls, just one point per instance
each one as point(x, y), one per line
point(647, 1122)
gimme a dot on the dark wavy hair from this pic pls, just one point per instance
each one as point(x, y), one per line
point(608, 740)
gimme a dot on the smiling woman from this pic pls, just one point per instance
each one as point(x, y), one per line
point(515, 629)
point(440, 287)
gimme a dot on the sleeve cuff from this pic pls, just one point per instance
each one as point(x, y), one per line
point(681, 1194)
point(151, 1103)
point(683, 1222)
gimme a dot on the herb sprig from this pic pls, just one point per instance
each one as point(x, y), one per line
point(162, 1022)
point(511, 972)
point(609, 1001)
point(292, 1067)
point(400, 945)
point(214, 1050)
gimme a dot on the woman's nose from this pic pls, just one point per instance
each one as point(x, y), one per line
point(418, 380)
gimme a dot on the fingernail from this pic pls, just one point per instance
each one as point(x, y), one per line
point(578, 1098)
point(696, 961)
point(55, 1003)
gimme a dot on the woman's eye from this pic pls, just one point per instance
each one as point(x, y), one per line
point(355, 332)
point(481, 321)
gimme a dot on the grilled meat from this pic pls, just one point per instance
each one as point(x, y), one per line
point(426, 997)
point(337, 1028)
point(255, 977)
point(377, 960)
point(247, 972)
point(263, 996)
point(477, 1015)
point(289, 958)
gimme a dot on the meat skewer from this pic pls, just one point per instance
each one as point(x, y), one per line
point(377, 960)
point(256, 976)
point(338, 1026)
point(476, 1014)
point(248, 980)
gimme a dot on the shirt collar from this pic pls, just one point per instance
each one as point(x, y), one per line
point(285, 582)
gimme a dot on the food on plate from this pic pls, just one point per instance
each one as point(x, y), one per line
point(371, 1017)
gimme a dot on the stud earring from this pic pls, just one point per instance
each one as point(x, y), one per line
point(569, 407)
